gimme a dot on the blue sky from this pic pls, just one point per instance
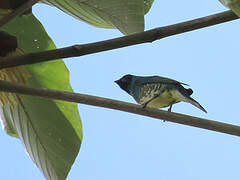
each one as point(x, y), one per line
point(119, 145)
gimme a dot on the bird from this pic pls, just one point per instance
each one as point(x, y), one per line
point(157, 91)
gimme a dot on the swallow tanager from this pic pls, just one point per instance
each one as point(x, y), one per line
point(156, 91)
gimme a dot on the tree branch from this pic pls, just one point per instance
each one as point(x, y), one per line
point(143, 37)
point(122, 106)
point(17, 12)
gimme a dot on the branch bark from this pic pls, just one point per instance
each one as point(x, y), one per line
point(122, 106)
point(17, 12)
point(143, 37)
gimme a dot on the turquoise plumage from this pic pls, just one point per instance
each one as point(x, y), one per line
point(156, 91)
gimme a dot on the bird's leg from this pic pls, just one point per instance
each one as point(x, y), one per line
point(170, 108)
point(146, 103)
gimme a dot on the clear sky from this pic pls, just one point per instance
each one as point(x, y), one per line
point(123, 146)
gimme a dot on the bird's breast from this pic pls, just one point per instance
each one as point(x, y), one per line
point(149, 91)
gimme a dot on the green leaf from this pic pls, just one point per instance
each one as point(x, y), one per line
point(234, 5)
point(147, 5)
point(125, 15)
point(51, 131)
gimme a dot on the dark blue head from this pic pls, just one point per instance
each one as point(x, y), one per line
point(125, 82)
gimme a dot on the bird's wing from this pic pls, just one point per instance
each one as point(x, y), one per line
point(168, 80)
point(157, 79)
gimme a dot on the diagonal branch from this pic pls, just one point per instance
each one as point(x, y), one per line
point(17, 12)
point(122, 106)
point(143, 37)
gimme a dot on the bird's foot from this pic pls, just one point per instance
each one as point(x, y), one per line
point(144, 105)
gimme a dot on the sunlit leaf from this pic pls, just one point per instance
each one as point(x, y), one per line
point(50, 130)
point(125, 15)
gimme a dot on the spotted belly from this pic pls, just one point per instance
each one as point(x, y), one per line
point(164, 100)
point(166, 97)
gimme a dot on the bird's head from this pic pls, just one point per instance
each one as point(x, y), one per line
point(125, 82)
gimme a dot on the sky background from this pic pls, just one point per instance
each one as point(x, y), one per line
point(123, 146)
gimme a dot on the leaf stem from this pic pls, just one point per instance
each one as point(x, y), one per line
point(122, 106)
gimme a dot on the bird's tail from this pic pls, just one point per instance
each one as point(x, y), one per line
point(195, 103)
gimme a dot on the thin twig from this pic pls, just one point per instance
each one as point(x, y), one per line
point(17, 12)
point(122, 106)
point(143, 37)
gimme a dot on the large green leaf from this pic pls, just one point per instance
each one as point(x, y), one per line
point(234, 5)
point(50, 130)
point(125, 15)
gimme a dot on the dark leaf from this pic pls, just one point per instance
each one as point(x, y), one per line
point(8, 43)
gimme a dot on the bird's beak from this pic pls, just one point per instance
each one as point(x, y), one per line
point(117, 81)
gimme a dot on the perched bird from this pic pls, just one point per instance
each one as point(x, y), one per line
point(156, 91)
